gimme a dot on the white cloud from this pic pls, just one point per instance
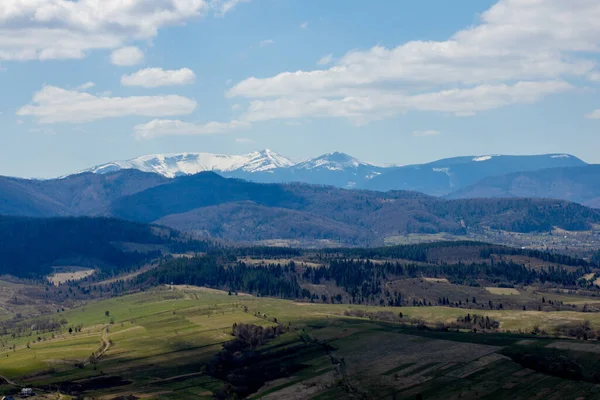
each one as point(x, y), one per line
point(59, 29)
point(127, 56)
point(53, 104)
point(594, 114)
point(379, 104)
point(86, 86)
point(594, 76)
point(326, 60)
point(304, 25)
point(20, 122)
point(427, 133)
point(165, 127)
point(520, 52)
point(156, 77)
point(244, 140)
point(266, 42)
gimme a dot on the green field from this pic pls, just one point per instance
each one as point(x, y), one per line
point(161, 340)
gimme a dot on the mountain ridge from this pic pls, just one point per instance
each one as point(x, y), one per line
point(338, 169)
point(577, 184)
point(235, 209)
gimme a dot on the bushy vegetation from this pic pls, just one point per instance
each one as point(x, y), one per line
point(211, 271)
point(243, 367)
point(564, 364)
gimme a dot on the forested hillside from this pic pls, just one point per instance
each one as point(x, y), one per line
point(31, 246)
point(231, 209)
point(376, 276)
point(84, 194)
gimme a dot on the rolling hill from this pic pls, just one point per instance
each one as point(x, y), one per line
point(578, 184)
point(76, 195)
point(239, 210)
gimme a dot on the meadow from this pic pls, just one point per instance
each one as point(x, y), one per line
point(157, 344)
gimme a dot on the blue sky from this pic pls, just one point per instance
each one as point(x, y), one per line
point(90, 81)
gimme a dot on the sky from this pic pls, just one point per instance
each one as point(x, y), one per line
point(84, 82)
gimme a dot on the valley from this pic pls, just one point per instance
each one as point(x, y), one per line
point(126, 284)
point(444, 316)
point(161, 342)
point(427, 226)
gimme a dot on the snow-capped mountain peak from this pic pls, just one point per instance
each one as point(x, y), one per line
point(332, 161)
point(263, 161)
point(178, 164)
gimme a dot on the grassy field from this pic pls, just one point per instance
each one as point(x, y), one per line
point(155, 344)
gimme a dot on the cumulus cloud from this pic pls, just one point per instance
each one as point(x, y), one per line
point(167, 127)
point(427, 133)
point(377, 104)
point(53, 104)
point(520, 52)
point(59, 29)
point(127, 56)
point(156, 77)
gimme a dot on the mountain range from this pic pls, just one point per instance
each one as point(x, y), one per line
point(438, 178)
point(265, 196)
point(209, 205)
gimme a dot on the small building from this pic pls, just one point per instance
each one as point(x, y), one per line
point(27, 392)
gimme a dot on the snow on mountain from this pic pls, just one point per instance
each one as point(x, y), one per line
point(264, 161)
point(172, 165)
point(482, 158)
point(332, 162)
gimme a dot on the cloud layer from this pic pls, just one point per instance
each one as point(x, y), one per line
point(60, 29)
point(520, 52)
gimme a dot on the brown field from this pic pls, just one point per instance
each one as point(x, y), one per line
point(436, 280)
point(64, 274)
point(503, 291)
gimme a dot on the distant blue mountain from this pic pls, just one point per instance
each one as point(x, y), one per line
point(341, 170)
point(442, 177)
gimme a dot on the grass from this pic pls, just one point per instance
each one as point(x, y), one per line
point(161, 339)
point(503, 291)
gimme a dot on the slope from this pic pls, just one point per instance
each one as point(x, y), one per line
point(445, 176)
point(578, 184)
point(239, 210)
point(75, 195)
point(31, 246)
